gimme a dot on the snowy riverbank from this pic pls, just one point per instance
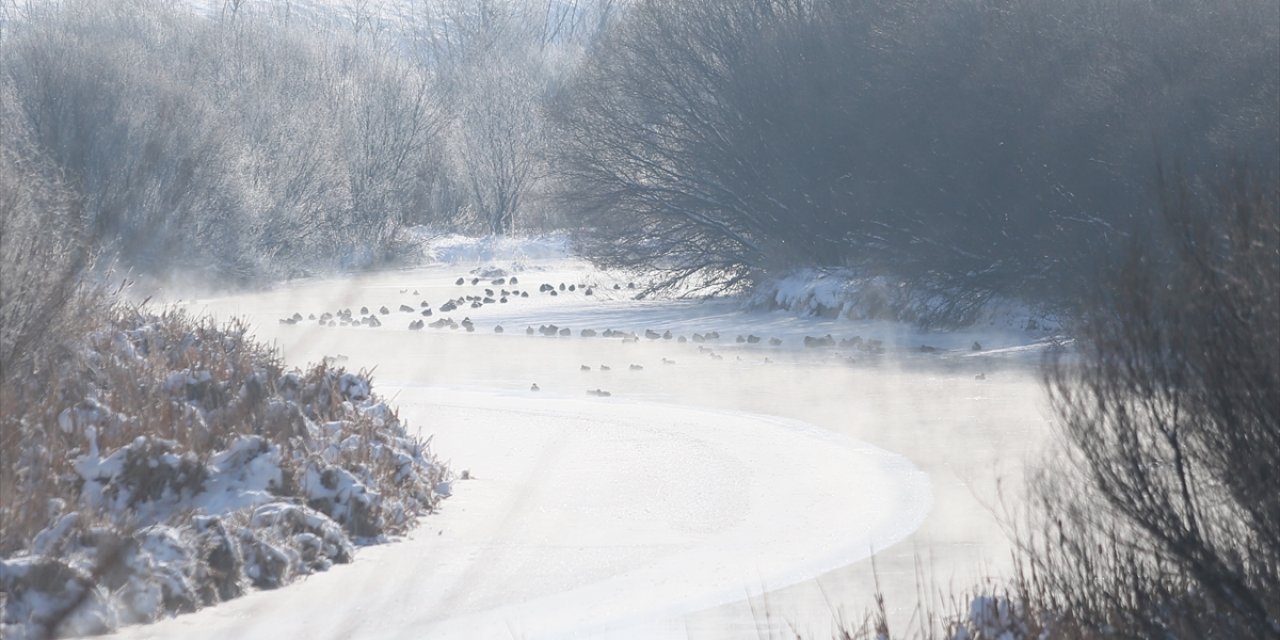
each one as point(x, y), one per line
point(507, 544)
point(183, 465)
point(717, 452)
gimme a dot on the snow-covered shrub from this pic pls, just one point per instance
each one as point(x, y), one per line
point(339, 494)
point(158, 569)
point(172, 463)
point(47, 596)
point(223, 565)
point(318, 540)
point(145, 478)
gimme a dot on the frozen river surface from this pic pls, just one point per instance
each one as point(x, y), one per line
point(721, 490)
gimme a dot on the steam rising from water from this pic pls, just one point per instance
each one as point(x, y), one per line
point(965, 418)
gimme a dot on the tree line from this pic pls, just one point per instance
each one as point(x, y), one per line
point(969, 149)
point(254, 141)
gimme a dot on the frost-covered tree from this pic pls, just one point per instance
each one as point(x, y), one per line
point(498, 143)
point(965, 148)
point(241, 144)
point(492, 55)
point(42, 256)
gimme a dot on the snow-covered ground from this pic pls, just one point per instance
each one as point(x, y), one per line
point(594, 516)
point(713, 472)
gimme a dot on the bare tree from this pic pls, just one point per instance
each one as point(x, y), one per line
point(498, 143)
point(493, 54)
point(968, 149)
point(1171, 411)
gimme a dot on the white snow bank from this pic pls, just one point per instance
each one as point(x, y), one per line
point(845, 294)
point(455, 249)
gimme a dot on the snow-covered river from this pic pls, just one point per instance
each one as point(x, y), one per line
point(721, 489)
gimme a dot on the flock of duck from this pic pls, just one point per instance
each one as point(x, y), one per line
point(503, 290)
point(500, 295)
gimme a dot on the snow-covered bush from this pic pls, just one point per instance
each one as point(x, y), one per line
point(47, 596)
point(172, 463)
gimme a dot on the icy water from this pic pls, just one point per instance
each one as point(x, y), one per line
point(720, 490)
